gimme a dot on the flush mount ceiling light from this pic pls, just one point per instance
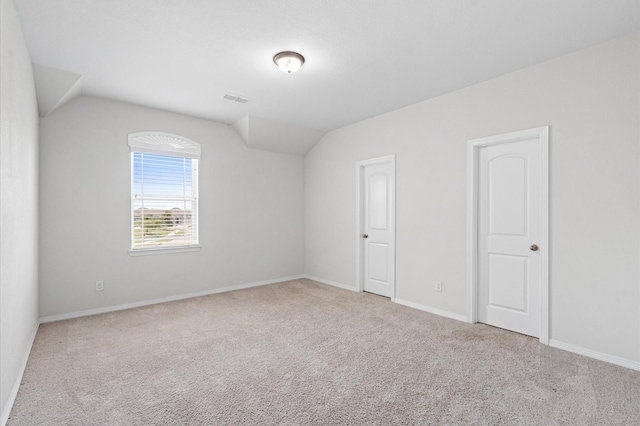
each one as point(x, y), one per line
point(288, 62)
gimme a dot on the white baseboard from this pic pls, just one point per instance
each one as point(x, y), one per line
point(331, 283)
point(124, 306)
point(623, 362)
point(431, 310)
point(16, 385)
point(398, 301)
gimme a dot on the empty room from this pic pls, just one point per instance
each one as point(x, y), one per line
point(319, 212)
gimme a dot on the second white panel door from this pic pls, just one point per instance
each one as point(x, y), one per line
point(378, 230)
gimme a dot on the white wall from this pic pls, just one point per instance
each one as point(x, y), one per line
point(591, 101)
point(251, 205)
point(18, 204)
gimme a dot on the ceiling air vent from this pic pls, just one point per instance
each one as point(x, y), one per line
point(237, 98)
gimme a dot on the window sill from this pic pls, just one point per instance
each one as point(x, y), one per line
point(163, 250)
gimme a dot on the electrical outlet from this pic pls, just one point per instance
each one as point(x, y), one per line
point(438, 285)
point(99, 285)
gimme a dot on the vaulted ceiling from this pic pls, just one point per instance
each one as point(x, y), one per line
point(363, 57)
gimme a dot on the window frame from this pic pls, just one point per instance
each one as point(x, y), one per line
point(161, 143)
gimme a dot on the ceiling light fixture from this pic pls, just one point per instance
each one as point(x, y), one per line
point(288, 62)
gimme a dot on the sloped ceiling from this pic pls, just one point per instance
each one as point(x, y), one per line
point(363, 58)
point(54, 88)
point(270, 135)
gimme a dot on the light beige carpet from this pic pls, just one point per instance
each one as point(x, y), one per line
point(300, 353)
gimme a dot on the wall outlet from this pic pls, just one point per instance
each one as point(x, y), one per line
point(438, 285)
point(99, 285)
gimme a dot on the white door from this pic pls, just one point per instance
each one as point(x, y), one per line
point(377, 231)
point(509, 235)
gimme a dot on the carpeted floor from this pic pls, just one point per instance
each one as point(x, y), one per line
point(301, 352)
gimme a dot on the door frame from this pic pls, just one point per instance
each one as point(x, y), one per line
point(360, 166)
point(473, 152)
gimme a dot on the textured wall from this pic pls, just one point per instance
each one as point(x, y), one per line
point(250, 210)
point(18, 202)
point(591, 101)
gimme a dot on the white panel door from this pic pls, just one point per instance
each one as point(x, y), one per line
point(509, 231)
point(378, 232)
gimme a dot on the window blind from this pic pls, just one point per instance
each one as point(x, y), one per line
point(164, 200)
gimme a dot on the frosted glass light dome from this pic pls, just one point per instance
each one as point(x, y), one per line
point(288, 62)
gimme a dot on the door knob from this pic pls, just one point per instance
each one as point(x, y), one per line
point(365, 236)
point(534, 247)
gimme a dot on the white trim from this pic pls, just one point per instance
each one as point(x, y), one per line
point(164, 144)
point(623, 362)
point(431, 310)
point(16, 385)
point(545, 171)
point(163, 250)
point(331, 283)
point(360, 165)
point(473, 148)
point(124, 306)
point(472, 235)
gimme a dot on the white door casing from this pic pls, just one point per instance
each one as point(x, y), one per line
point(508, 232)
point(375, 225)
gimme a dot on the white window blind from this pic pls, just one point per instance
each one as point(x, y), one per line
point(164, 193)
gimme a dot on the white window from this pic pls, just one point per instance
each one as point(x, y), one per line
point(164, 193)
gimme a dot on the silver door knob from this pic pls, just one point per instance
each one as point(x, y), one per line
point(365, 236)
point(534, 247)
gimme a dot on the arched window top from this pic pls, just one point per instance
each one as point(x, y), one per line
point(163, 144)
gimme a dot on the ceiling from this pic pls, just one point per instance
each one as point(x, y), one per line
point(363, 57)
